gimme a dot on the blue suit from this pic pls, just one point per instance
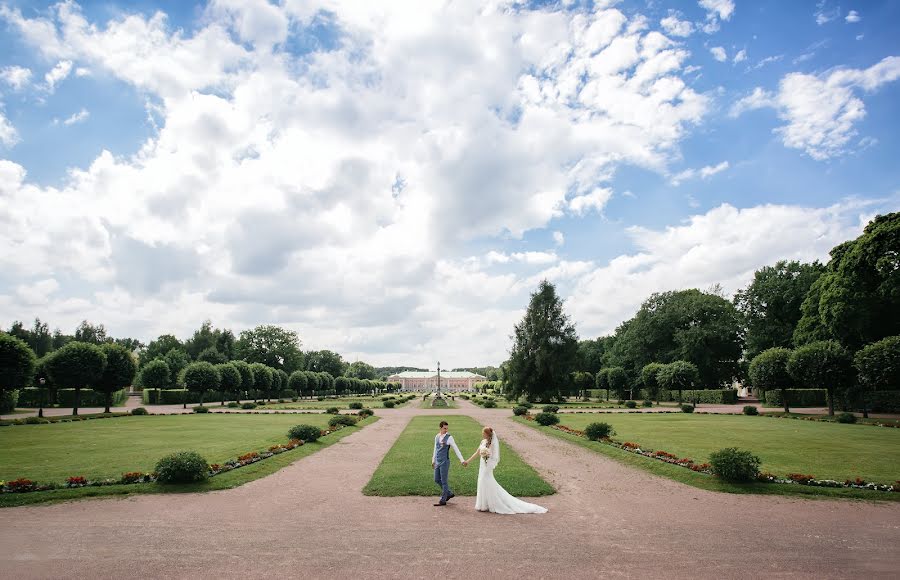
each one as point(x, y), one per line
point(442, 466)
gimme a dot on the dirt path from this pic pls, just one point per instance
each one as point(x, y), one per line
point(311, 519)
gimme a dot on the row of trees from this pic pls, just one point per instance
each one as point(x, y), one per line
point(849, 303)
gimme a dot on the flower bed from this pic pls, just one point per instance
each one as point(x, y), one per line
point(765, 477)
point(23, 485)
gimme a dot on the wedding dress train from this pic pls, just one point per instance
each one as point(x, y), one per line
point(491, 497)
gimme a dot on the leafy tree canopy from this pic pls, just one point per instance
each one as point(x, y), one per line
point(325, 361)
point(273, 346)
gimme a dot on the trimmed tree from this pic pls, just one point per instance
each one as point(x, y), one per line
point(650, 378)
point(247, 383)
point(298, 382)
point(156, 375)
point(262, 378)
point(618, 381)
point(285, 378)
point(229, 379)
point(878, 367)
point(121, 367)
point(823, 364)
point(17, 363)
point(200, 377)
point(76, 366)
point(678, 376)
point(603, 380)
point(769, 370)
point(211, 355)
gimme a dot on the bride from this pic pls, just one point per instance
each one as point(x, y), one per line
point(491, 497)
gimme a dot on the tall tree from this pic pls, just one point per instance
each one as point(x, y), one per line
point(878, 367)
point(76, 366)
point(650, 378)
point(857, 300)
point(272, 346)
point(246, 376)
point(770, 304)
point(545, 346)
point(60, 340)
point(94, 334)
point(325, 361)
point(200, 377)
point(361, 370)
point(618, 381)
point(159, 347)
point(262, 379)
point(156, 375)
point(678, 376)
point(823, 364)
point(40, 341)
point(689, 325)
point(230, 379)
point(17, 362)
point(207, 337)
point(591, 353)
point(177, 360)
point(118, 373)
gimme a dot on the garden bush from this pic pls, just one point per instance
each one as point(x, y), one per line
point(620, 402)
point(732, 464)
point(35, 421)
point(248, 405)
point(389, 404)
point(797, 398)
point(356, 405)
point(687, 408)
point(597, 431)
point(306, 433)
point(348, 420)
point(547, 419)
point(519, 411)
point(647, 403)
point(200, 409)
point(750, 410)
point(363, 413)
point(233, 405)
point(489, 404)
point(90, 398)
point(846, 418)
point(139, 411)
point(527, 405)
point(551, 409)
point(332, 411)
point(182, 467)
point(631, 404)
point(711, 396)
point(882, 401)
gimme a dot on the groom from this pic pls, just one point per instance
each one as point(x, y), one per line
point(440, 462)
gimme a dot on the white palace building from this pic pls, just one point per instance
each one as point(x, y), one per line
point(428, 380)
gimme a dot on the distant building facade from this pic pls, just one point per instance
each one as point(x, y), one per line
point(428, 380)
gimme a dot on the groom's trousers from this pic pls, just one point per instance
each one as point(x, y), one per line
point(442, 478)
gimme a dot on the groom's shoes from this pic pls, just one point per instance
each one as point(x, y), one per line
point(451, 496)
point(440, 503)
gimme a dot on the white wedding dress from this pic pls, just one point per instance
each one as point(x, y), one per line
point(491, 497)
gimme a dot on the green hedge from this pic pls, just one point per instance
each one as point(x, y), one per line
point(31, 398)
point(597, 394)
point(883, 401)
point(179, 396)
point(708, 396)
point(8, 401)
point(797, 398)
point(89, 398)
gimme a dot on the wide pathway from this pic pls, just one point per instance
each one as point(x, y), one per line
point(311, 519)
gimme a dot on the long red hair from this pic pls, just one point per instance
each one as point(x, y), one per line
point(488, 433)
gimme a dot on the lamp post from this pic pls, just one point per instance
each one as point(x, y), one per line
point(439, 380)
point(42, 381)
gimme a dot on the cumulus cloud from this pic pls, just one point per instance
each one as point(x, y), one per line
point(78, 117)
point(675, 26)
point(853, 16)
point(716, 11)
point(719, 53)
point(741, 56)
point(703, 173)
point(821, 111)
point(558, 238)
point(57, 74)
point(593, 201)
point(16, 77)
point(8, 134)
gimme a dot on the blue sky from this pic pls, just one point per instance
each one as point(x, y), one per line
point(162, 163)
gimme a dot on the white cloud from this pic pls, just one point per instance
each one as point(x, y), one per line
point(824, 15)
point(741, 56)
point(821, 111)
point(558, 238)
point(57, 74)
point(853, 16)
point(8, 134)
point(38, 293)
point(16, 77)
point(725, 245)
point(718, 53)
point(766, 61)
point(78, 117)
point(703, 173)
point(595, 200)
point(722, 9)
point(676, 27)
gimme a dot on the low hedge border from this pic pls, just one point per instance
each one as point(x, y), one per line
point(23, 485)
point(763, 477)
point(71, 418)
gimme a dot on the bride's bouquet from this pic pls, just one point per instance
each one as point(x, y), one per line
point(485, 453)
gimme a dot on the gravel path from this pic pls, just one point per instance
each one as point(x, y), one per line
point(310, 519)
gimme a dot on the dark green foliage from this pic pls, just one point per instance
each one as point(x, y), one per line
point(685, 408)
point(88, 397)
point(319, 361)
point(771, 304)
point(527, 405)
point(649, 376)
point(158, 348)
point(361, 370)
point(389, 404)
point(8, 401)
point(229, 378)
point(688, 325)
point(678, 376)
point(355, 405)
point(178, 360)
point(234, 405)
point(489, 404)
point(547, 419)
point(272, 346)
point(208, 338)
point(647, 403)
point(348, 420)
point(544, 350)
point(846, 418)
point(17, 363)
point(750, 410)
point(363, 413)
point(598, 431)
point(824, 364)
point(118, 373)
point(878, 364)
point(156, 375)
point(248, 405)
point(305, 433)
point(201, 409)
point(76, 365)
point(262, 377)
point(139, 411)
point(550, 409)
point(769, 371)
point(617, 380)
point(884, 401)
point(734, 465)
point(246, 374)
point(211, 355)
point(298, 382)
point(857, 300)
point(798, 397)
point(332, 411)
point(520, 411)
point(182, 467)
point(631, 404)
point(200, 377)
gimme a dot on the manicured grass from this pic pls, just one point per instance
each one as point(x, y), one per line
point(426, 404)
point(106, 448)
point(406, 469)
point(342, 404)
point(225, 480)
point(825, 450)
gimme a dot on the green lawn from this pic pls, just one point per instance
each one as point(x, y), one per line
point(426, 404)
point(825, 450)
point(106, 448)
point(406, 469)
point(342, 404)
